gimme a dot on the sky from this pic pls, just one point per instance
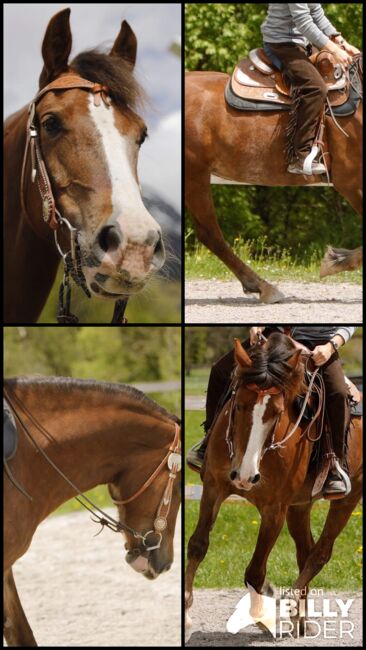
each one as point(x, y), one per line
point(156, 26)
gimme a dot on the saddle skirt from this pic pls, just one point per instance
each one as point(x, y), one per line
point(256, 79)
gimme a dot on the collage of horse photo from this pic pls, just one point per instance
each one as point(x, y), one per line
point(183, 325)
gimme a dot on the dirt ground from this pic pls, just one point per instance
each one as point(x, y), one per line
point(212, 608)
point(216, 301)
point(77, 590)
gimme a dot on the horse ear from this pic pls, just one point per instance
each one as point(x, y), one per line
point(125, 45)
point(294, 360)
point(56, 47)
point(241, 355)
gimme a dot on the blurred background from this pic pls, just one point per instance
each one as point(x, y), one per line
point(204, 345)
point(149, 357)
point(158, 69)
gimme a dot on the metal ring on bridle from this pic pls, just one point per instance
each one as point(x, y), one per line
point(73, 234)
point(152, 548)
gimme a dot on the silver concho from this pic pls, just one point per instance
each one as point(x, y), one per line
point(160, 523)
point(175, 459)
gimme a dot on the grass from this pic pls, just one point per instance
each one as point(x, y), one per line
point(200, 263)
point(233, 539)
point(196, 381)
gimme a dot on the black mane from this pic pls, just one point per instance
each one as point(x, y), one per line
point(71, 384)
point(270, 367)
point(113, 72)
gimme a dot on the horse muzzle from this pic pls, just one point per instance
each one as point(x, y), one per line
point(241, 484)
point(146, 563)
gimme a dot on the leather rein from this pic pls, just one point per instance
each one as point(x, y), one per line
point(172, 460)
point(315, 383)
point(72, 258)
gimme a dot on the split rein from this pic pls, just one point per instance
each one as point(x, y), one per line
point(172, 459)
point(72, 258)
point(315, 384)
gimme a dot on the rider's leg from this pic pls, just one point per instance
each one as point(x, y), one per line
point(338, 412)
point(310, 92)
point(218, 385)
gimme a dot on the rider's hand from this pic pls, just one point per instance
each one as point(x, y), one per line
point(350, 49)
point(253, 333)
point(322, 353)
point(341, 56)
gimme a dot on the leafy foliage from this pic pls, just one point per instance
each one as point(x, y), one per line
point(104, 353)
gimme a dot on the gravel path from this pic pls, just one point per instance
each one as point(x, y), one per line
point(77, 590)
point(216, 301)
point(212, 608)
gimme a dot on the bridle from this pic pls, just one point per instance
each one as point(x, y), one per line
point(315, 383)
point(71, 259)
point(172, 460)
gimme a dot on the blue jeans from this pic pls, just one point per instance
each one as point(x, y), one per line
point(272, 57)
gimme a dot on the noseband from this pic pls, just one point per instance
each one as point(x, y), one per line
point(51, 215)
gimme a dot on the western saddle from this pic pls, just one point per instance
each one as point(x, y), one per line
point(256, 79)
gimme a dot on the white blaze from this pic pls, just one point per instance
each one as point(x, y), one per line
point(128, 209)
point(258, 433)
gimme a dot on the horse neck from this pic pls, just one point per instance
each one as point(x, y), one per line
point(28, 250)
point(92, 440)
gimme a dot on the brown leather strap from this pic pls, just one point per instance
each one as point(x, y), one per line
point(174, 448)
point(66, 81)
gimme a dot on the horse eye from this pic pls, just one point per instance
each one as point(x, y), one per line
point(142, 137)
point(52, 125)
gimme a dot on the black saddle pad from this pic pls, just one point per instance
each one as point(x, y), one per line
point(10, 432)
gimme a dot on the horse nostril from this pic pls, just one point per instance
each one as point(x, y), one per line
point(233, 475)
point(255, 479)
point(109, 238)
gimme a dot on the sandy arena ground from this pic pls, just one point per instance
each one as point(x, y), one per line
point(77, 590)
point(216, 301)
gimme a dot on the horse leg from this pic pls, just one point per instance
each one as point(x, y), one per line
point(298, 522)
point(17, 630)
point(338, 516)
point(198, 544)
point(199, 202)
point(272, 520)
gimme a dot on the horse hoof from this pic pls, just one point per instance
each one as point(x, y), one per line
point(188, 621)
point(269, 294)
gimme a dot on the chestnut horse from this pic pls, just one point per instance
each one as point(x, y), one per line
point(247, 147)
point(75, 435)
point(74, 161)
point(271, 473)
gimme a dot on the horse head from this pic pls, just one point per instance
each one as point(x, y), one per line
point(265, 382)
point(149, 515)
point(90, 142)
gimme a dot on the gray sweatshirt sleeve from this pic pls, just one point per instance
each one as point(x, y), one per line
point(346, 332)
point(312, 23)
